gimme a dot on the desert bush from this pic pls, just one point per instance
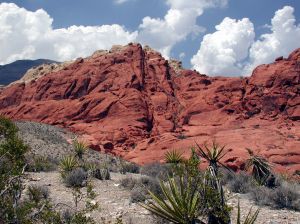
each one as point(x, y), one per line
point(139, 187)
point(138, 194)
point(261, 195)
point(76, 178)
point(241, 183)
point(37, 193)
point(157, 170)
point(41, 164)
point(287, 195)
point(128, 183)
point(129, 168)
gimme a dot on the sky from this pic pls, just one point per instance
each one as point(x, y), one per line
point(215, 37)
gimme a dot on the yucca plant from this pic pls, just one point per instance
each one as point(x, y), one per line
point(174, 157)
point(67, 164)
point(182, 202)
point(79, 147)
point(259, 167)
point(250, 218)
point(213, 156)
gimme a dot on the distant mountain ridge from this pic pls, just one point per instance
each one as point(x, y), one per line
point(15, 70)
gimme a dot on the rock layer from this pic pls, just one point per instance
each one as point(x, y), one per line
point(132, 102)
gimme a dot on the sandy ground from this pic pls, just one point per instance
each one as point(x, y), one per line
point(115, 202)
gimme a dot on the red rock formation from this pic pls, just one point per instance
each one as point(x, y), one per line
point(132, 102)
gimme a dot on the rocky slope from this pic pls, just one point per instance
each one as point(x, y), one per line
point(14, 71)
point(132, 102)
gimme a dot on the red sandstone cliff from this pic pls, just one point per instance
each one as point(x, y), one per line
point(132, 102)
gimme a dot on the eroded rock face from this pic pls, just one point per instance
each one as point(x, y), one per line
point(131, 102)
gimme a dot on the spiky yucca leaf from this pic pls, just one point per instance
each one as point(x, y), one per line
point(182, 201)
point(68, 163)
point(259, 166)
point(213, 155)
point(250, 218)
point(79, 147)
point(174, 157)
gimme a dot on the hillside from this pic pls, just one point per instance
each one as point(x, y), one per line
point(132, 102)
point(14, 71)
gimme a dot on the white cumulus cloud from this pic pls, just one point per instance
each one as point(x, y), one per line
point(223, 52)
point(232, 49)
point(177, 24)
point(26, 34)
point(283, 39)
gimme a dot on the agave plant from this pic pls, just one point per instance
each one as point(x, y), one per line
point(174, 157)
point(68, 163)
point(182, 201)
point(79, 147)
point(250, 218)
point(259, 167)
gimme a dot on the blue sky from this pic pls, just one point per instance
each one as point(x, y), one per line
point(238, 59)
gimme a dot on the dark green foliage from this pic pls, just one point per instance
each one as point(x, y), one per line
point(7, 128)
point(76, 178)
point(12, 151)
